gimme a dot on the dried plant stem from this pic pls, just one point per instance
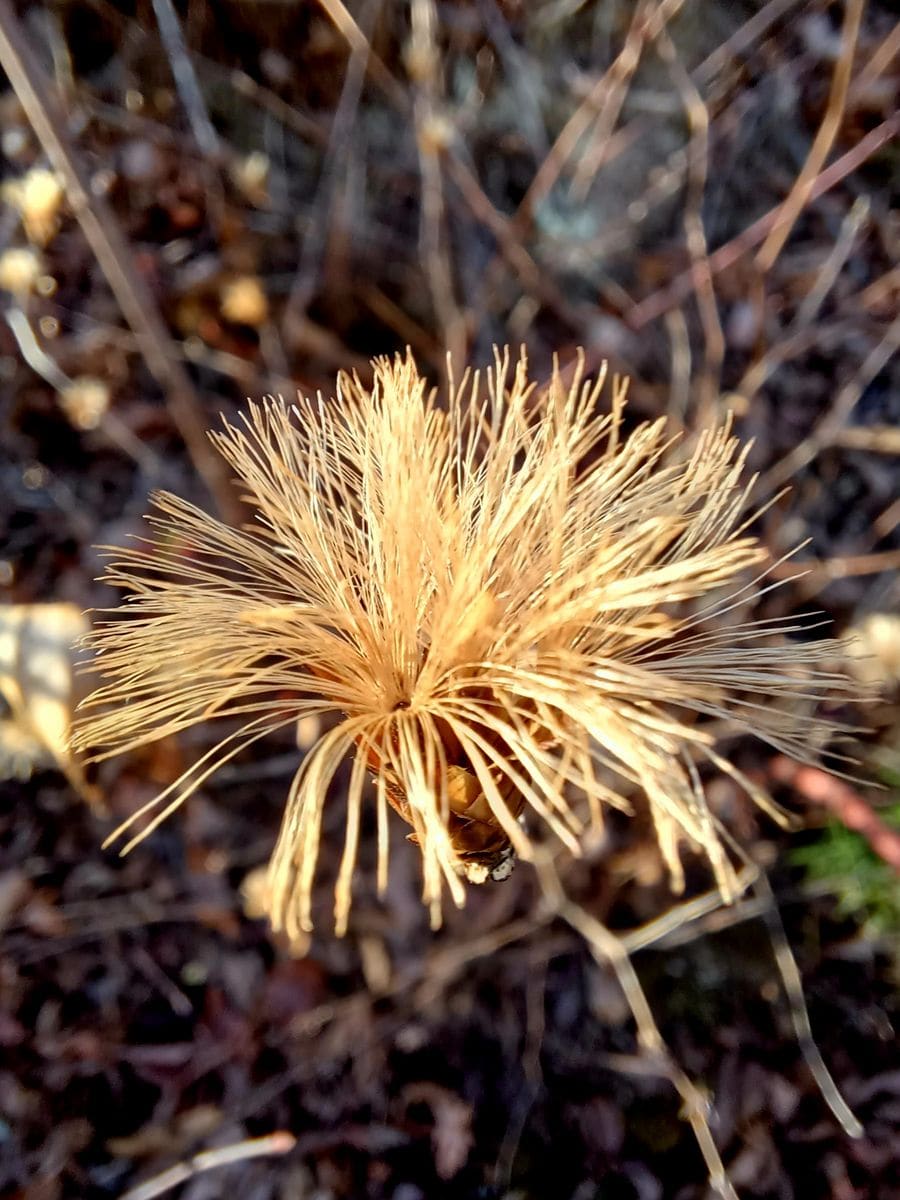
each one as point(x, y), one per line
point(433, 231)
point(681, 287)
point(837, 415)
point(842, 566)
point(879, 62)
point(887, 520)
point(672, 924)
point(511, 247)
point(805, 331)
point(50, 371)
point(101, 229)
point(185, 78)
point(837, 99)
point(610, 951)
point(793, 987)
point(606, 99)
point(280, 1142)
point(334, 173)
point(695, 231)
point(602, 105)
point(851, 225)
point(345, 23)
point(742, 39)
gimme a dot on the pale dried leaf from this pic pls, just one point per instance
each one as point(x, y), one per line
point(39, 684)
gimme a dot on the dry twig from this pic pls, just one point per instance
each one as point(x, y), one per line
point(431, 136)
point(334, 171)
point(274, 1143)
point(793, 986)
point(695, 232)
point(348, 27)
point(817, 576)
point(726, 256)
point(609, 951)
point(837, 415)
point(801, 192)
point(185, 78)
point(602, 105)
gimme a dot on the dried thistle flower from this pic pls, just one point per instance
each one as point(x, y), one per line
point(498, 600)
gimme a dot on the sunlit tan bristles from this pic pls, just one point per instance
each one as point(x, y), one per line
point(515, 614)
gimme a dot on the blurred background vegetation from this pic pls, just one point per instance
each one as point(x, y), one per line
point(214, 199)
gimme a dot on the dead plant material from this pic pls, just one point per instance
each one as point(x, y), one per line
point(39, 686)
point(102, 231)
point(512, 609)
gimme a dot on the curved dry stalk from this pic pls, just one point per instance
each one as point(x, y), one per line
point(800, 193)
point(280, 1142)
point(609, 951)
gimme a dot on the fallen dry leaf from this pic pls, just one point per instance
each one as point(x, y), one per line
point(38, 682)
point(451, 1135)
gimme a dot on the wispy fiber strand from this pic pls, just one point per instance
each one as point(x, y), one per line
point(512, 612)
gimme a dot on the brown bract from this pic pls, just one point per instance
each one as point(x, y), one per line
point(514, 613)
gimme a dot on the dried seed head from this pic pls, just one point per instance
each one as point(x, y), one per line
point(512, 611)
point(20, 270)
point(244, 301)
point(38, 195)
point(85, 401)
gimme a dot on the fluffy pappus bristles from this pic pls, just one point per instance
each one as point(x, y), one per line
point(498, 597)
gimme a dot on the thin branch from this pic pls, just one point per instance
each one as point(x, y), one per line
point(852, 223)
point(670, 928)
point(334, 169)
point(433, 231)
point(532, 277)
point(611, 93)
point(695, 231)
point(33, 352)
point(726, 256)
point(185, 78)
point(793, 987)
point(841, 566)
point(280, 1142)
point(877, 439)
point(603, 105)
point(802, 333)
point(609, 951)
point(742, 38)
point(345, 23)
point(801, 192)
point(522, 72)
point(887, 520)
point(50, 371)
point(881, 59)
point(837, 415)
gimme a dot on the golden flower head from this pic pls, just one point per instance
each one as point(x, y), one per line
point(501, 600)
